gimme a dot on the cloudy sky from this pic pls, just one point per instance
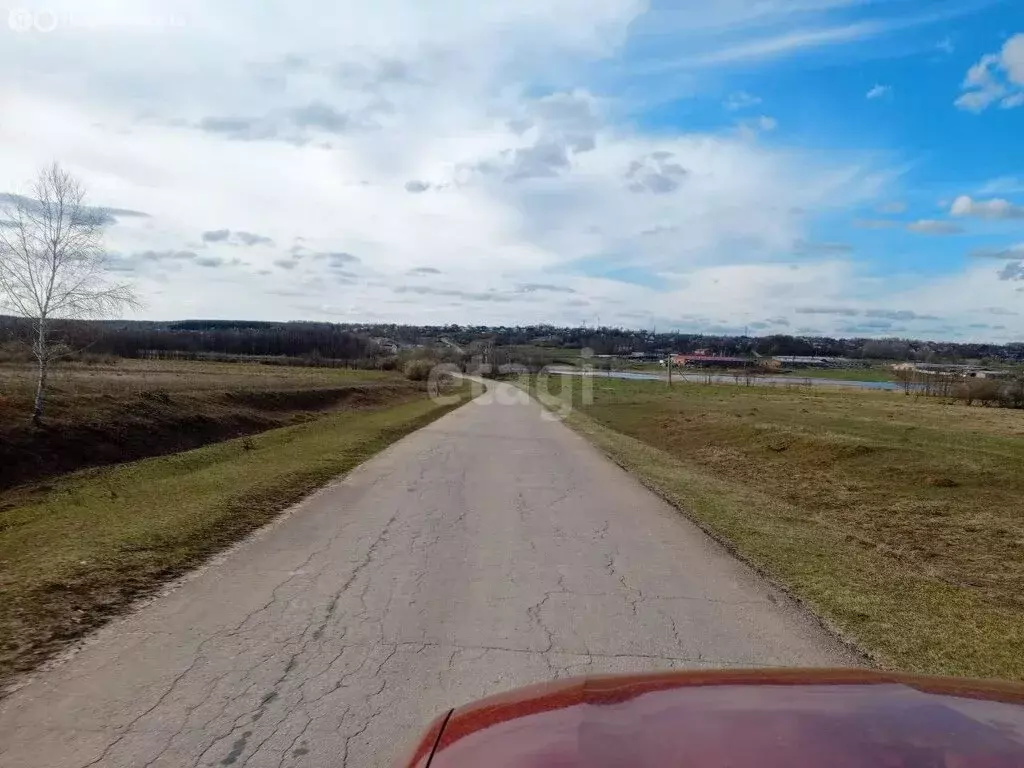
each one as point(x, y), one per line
point(850, 167)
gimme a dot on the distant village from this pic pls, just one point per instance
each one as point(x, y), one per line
point(706, 358)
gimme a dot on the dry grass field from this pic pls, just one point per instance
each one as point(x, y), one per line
point(131, 409)
point(74, 381)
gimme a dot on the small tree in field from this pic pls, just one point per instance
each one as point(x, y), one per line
point(52, 265)
point(905, 378)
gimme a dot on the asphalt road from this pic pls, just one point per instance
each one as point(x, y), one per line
point(490, 550)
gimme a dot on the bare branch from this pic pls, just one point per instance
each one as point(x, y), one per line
point(52, 263)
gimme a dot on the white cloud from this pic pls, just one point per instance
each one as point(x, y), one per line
point(737, 32)
point(996, 208)
point(879, 91)
point(1013, 253)
point(789, 42)
point(894, 206)
point(772, 30)
point(1013, 59)
point(1004, 185)
point(1014, 100)
point(749, 129)
point(996, 77)
point(875, 223)
point(962, 299)
point(741, 100)
point(934, 227)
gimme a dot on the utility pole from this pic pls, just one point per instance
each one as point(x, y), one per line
point(670, 367)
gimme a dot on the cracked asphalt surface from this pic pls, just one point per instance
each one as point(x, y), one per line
point(492, 549)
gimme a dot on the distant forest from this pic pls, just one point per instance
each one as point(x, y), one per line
point(359, 342)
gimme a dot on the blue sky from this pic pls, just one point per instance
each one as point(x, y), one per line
point(891, 94)
point(807, 166)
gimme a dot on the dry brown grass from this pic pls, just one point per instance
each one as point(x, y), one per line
point(124, 378)
point(901, 520)
point(105, 414)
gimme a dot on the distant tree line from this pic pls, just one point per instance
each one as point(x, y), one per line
point(352, 342)
point(621, 341)
point(180, 339)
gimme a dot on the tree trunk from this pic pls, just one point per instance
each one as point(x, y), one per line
point(44, 360)
point(37, 411)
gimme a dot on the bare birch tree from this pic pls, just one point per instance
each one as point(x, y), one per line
point(53, 266)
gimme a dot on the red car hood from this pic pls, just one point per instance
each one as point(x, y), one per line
point(762, 719)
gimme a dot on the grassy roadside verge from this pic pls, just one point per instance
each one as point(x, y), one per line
point(920, 574)
point(99, 539)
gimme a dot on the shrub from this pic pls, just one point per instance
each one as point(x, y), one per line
point(986, 391)
point(418, 370)
point(92, 358)
point(1013, 393)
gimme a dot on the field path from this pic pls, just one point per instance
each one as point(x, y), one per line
point(492, 549)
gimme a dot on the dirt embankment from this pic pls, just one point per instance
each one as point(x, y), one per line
point(108, 429)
